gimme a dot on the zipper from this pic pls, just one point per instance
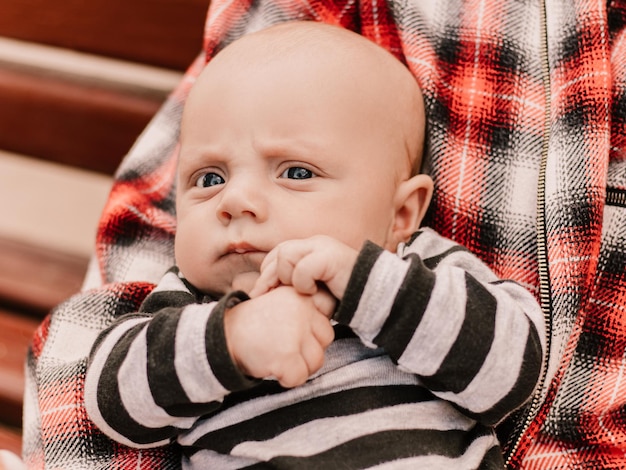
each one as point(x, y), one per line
point(545, 297)
point(616, 197)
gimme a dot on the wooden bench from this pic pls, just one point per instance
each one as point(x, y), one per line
point(32, 280)
point(78, 82)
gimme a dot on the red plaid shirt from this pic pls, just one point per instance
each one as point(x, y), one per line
point(526, 106)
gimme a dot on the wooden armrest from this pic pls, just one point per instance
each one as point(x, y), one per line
point(76, 109)
point(162, 33)
point(10, 439)
point(34, 279)
point(16, 332)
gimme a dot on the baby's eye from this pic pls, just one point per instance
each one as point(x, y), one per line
point(297, 173)
point(209, 179)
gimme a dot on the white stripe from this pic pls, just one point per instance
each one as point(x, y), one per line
point(378, 371)
point(191, 363)
point(320, 435)
point(439, 327)
point(470, 93)
point(375, 304)
point(214, 460)
point(502, 366)
point(93, 376)
point(468, 461)
point(170, 282)
point(135, 394)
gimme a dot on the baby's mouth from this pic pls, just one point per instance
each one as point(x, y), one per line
point(251, 256)
point(241, 248)
point(244, 257)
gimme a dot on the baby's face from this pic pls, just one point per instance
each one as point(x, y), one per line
point(273, 159)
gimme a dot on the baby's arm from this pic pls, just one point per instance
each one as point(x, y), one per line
point(440, 313)
point(151, 376)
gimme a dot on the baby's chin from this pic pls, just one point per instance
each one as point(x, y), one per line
point(228, 273)
point(245, 281)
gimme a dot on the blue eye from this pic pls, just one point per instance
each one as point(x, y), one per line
point(297, 173)
point(206, 180)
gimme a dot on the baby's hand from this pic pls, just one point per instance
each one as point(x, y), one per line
point(305, 263)
point(281, 334)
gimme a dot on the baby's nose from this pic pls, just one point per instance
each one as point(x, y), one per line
point(242, 199)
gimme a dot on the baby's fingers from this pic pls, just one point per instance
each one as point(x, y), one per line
point(324, 302)
point(322, 331)
point(267, 280)
point(293, 373)
point(300, 367)
point(311, 269)
point(313, 355)
point(278, 269)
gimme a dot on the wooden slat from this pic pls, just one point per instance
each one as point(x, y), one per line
point(10, 439)
point(35, 279)
point(87, 69)
point(15, 336)
point(32, 281)
point(65, 122)
point(59, 208)
point(158, 32)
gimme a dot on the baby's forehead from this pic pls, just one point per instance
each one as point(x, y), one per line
point(313, 41)
point(334, 54)
point(347, 64)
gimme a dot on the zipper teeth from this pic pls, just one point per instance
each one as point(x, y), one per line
point(542, 251)
point(616, 197)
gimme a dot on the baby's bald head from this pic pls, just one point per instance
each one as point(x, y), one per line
point(339, 64)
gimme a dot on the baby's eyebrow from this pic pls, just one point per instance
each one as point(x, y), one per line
point(201, 156)
point(290, 148)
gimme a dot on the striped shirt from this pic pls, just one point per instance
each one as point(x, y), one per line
point(431, 350)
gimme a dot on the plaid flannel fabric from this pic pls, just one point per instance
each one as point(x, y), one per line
point(526, 107)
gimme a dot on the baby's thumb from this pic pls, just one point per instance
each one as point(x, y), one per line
point(264, 283)
point(324, 301)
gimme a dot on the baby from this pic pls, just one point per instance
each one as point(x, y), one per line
point(309, 323)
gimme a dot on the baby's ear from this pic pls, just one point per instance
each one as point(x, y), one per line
point(410, 205)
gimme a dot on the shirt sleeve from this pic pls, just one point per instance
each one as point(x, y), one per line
point(441, 314)
point(150, 376)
